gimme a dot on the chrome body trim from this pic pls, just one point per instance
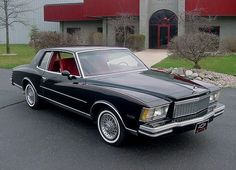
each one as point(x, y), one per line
point(67, 107)
point(191, 100)
point(26, 78)
point(79, 65)
point(101, 49)
point(168, 128)
point(118, 114)
point(17, 85)
point(80, 100)
point(65, 51)
point(53, 72)
point(159, 134)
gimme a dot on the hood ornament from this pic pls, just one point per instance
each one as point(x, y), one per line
point(194, 89)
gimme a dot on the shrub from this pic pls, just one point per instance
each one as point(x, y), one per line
point(229, 45)
point(54, 39)
point(194, 46)
point(96, 38)
point(136, 42)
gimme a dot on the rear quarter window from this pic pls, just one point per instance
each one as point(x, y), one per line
point(44, 62)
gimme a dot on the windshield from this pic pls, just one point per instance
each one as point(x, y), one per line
point(109, 61)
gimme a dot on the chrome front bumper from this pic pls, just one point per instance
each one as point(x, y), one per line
point(169, 128)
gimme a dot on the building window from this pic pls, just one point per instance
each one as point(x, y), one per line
point(72, 30)
point(99, 29)
point(213, 30)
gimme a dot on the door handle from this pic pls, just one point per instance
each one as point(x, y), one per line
point(44, 79)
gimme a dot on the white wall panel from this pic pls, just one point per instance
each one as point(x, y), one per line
point(19, 34)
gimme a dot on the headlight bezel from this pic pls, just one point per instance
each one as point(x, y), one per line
point(155, 113)
point(214, 97)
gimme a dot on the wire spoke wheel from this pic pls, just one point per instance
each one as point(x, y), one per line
point(30, 95)
point(110, 128)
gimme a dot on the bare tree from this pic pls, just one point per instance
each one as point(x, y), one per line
point(10, 13)
point(194, 21)
point(194, 46)
point(197, 42)
point(124, 25)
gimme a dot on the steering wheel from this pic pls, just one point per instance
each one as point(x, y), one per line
point(123, 63)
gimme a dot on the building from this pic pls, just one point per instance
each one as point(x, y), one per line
point(156, 19)
point(19, 34)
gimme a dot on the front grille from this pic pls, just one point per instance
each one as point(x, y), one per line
point(190, 107)
point(189, 117)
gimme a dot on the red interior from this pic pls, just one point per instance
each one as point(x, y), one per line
point(58, 65)
point(69, 65)
point(54, 64)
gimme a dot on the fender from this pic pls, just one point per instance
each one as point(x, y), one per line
point(110, 105)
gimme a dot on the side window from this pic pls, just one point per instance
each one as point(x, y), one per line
point(68, 63)
point(61, 61)
point(54, 64)
point(44, 62)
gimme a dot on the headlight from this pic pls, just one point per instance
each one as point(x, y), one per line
point(214, 97)
point(149, 114)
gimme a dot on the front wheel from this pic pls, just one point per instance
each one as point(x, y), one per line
point(31, 97)
point(110, 128)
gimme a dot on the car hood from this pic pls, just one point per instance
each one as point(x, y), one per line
point(154, 83)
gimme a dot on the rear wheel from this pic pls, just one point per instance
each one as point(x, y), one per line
point(31, 97)
point(110, 128)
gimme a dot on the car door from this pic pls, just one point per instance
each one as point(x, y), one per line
point(63, 90)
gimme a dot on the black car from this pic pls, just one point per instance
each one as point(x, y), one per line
point(112, 87)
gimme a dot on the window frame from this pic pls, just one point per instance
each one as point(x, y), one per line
point(78, 66)
point(49, 59)
point(82, 72)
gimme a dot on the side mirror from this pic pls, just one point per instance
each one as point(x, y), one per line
point(67, 74)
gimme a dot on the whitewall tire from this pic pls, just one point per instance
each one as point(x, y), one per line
point(110, 128)
point(31, 97)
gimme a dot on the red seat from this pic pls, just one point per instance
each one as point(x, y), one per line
point(69, 64)
point(54, 64)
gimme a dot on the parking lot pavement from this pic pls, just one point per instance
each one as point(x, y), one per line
point(9, 95)
point(53, 138)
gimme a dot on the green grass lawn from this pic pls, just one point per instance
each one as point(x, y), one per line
point(24, 55)
point(225, 64)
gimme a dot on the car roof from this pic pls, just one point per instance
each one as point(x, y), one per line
point(83, 49)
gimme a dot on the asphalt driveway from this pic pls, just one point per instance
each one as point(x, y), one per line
point(52, 138)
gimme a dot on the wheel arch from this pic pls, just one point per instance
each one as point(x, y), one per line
point(95, 108)
point(25, 81)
